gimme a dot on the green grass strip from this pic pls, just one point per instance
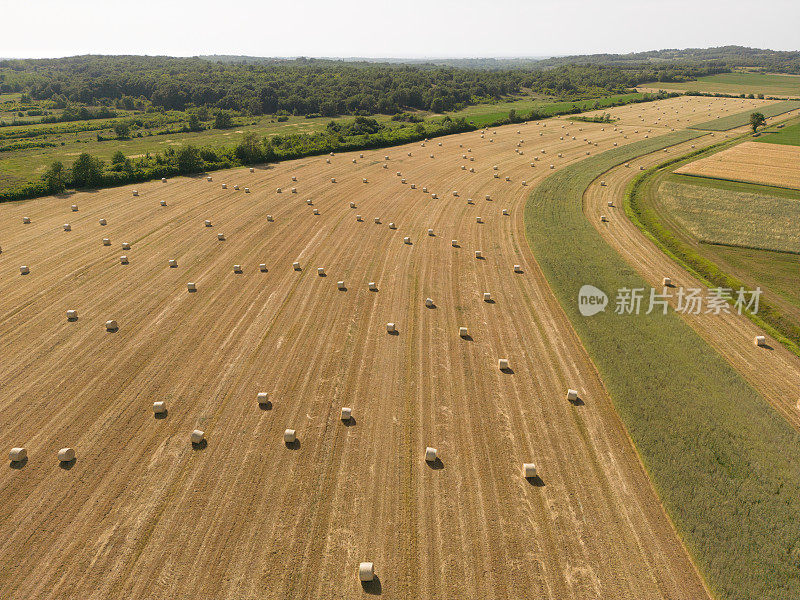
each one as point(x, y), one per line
point(743, 118)
point(724, 463)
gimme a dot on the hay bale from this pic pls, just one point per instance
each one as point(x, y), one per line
point(315, 211)
point(434, 196)
point(328, 160)
point(430, 232)
point(72, 315)
point(505, 212)
point(407, 240)
point(224, 186)
point(603, 219)
point(246, 190)
point(611, 203)
point(289, 436)
point(352, 205)
point(347, 413)
point(454, 243)
point(66, 455)
point(208, 178)
point(236, 186)
point(237, 268)
point(191, 286)
point(135, 193)
point(524, 182)
point(487, 297)
point(463, 332)
point(392, 226)
point(359, 218)
point(572, 395)
point(221, 237)
point(207, 223)
point(294, 177)
point(111, 325)
point(366, 571)
point(470, 201)
point(296, 266)
point(252, 170)
point(373, 287)
point(321, 271)
point(517, 269)
point(106, 242)
point(503, 364)
point(123, 259)
point(262, 398)
point(262, 267)
point(163, 203)
point(160, 407)
point(455, 194)
point(270, 219)
point(391, 328)
point(173, 263)
point(760, 340)
point(67, 227)
point(377, 220)
point(478, 254)
point(488, 198)
point(198, 436)
point(430, 454)
point(403, 180)
point(603, 183)
point(413, 186)
point(74, 208)
point(333, 179)
point(666, 282)
point(310, 202)
point(528, 470)
point(479, 219)
point(279, 191)
point(429, 303)
point(17, 454)
point(424, 190)
point(340, 285)
point(103, 222)
point(126, 245)
point(294, 190)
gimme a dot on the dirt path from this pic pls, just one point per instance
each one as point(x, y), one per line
point(142, 514)
point(773, 371)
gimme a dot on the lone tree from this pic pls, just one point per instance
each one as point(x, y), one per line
point(757, 120)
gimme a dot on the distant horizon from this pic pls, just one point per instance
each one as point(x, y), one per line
point(419, 29)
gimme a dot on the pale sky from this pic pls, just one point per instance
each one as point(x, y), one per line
point(410, 28)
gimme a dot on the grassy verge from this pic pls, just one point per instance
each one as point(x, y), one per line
point(743, 118)
point(724, 463)
point(737, 83)
point(639, 208)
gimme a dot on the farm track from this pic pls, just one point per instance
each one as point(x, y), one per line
point(142, 514)
point(773, 371)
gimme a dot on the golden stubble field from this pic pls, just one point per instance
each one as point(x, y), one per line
point(141, 513)
point(751, 162)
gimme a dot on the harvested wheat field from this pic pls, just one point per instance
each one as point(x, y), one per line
point(142, 512)
point(678, 113)
point(751, 162)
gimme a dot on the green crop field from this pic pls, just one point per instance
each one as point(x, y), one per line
point(725, 464)
point(734, 218)
point(481, 114)
point(788, 135)
point(737, 83)
point(743, 118)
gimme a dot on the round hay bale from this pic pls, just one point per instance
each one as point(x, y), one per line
point(391, 328)
point(270, 219)
point(478, 254)
point(191, 286)
point(72, 315)
point(198, 436)
point(262, 267)
point(246, 190)
point(346, 414)
point(66, 455)
point(103, 222)
point(74, 208)
point(321, 271)
point(760, 340)
point(296, 266)
point(221, 237)
point(503, 364)
point(340, 285)
point(366, 571)
point(263, 399)
point(135, 192)
point(430, 232)
point(430, 454)
point(289, 436)
point(26, 220)
point(67, 227)
point(123, 259)
point(373, 287)
point(359, 218)
point(160, 407)
point(487, 297)
point(429, 303)
point(173, 263)
point(106, 242)
point(207, 223)
point(163, 203)
point(17, 454)
point(407, 240)
point(111, 325)
point(315, 211)
point(463, 332)
point(237, 268)
point(517, 269)
point(528, 470)
point(126, 245)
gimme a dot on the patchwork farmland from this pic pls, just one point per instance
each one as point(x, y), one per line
point(225, 492)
